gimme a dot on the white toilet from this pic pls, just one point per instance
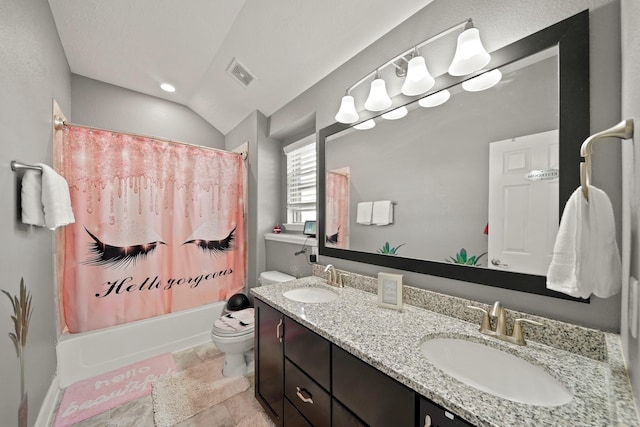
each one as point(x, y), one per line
point(237, 342)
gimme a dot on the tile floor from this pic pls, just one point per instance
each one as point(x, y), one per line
point(139, 413)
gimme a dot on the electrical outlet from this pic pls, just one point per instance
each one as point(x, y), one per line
point(313, 258)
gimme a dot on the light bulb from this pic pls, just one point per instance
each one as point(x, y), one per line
point(167, 87)
point(396, 114)
point(418, 79)
point(347, 112)
point(470, 54)
point(436, 99)
point(367, 124)
point(483, 81)
point(378, 98)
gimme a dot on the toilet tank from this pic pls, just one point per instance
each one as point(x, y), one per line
point(271, 277)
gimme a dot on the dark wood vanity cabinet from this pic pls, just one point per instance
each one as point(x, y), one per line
point(303, 380)
point(269, 360)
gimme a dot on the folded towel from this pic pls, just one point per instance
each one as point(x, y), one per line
point(382, 212)
point(31, 198)
point(246, 316)
point(364, 213)
point(585, 255)
point(56, 200)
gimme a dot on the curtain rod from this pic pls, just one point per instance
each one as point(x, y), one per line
point(59, 123)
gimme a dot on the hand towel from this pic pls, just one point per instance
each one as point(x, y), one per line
point(364, 213)
point(56, 200)
point(31, 198)
point(585, 258)
point(382, 212)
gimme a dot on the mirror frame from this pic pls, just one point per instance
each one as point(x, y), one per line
point(571, 36)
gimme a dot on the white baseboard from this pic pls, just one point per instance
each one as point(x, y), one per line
point(46, 414)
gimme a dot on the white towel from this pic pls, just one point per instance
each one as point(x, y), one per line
point(585, 258)
point(31, 198)
point(45, 199)
point(364, 213)
point(382, 212)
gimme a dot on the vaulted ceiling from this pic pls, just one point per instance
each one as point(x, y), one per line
point(288, 45)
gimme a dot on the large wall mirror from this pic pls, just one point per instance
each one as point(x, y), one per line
point(471, 189)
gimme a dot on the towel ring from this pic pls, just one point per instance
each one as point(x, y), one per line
point(623, 130)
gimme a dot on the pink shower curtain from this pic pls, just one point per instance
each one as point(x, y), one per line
point(337, 224)
point(159, 227)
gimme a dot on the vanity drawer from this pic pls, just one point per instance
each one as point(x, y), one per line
point(309, 351)
point(293, 417)
point(371, 395)
point(306, 395)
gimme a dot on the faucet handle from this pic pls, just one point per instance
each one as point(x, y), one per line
point(517, 335)
point(486, 324)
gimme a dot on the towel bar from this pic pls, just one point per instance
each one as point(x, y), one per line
point(17, 166)
point(623, 130)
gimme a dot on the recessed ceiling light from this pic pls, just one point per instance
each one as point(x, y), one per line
point(167, 87)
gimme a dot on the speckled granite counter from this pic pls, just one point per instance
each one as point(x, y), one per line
point(390, 341)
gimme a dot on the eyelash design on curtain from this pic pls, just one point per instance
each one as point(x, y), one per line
point(118, 256)
point(215, 246)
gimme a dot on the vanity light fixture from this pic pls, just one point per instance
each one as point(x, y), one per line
point(470, 55)
point(167, 87)
point(418, 80)
point(367, 124)
point(347, 112)
point(396, 114)
point(483, 81)
point(436, 99)
point(378, 98)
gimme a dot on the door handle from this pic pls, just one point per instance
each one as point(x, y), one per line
point(301, 394)
point(279, 330)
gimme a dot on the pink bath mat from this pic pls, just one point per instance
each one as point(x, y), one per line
point(92, 396)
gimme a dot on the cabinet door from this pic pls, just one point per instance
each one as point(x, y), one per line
point(269, 360)
point(342, 417)
point(432, 415)
point(309, 351)
point(371, 395)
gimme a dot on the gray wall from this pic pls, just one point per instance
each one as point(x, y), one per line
point(500, 22)
point(102, 105)
point(630, 10)
point(264, 187)
point(281, 256)
point(33, 71)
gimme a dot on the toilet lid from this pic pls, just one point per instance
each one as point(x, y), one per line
point(276, 276)
point(235, 323)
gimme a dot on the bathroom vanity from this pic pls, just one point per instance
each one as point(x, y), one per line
point(348, 361)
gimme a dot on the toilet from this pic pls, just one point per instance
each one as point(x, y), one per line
point(233, 332)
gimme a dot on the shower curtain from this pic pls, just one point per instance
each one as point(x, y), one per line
point(159, 227)
point(337, 223)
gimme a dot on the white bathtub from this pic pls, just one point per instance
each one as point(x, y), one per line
point(87, 354)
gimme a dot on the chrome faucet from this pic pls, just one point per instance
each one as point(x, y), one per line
point(498, 314)
point(333, 278)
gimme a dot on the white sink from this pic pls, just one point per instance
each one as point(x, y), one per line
point(311, 294)
point(494, 371)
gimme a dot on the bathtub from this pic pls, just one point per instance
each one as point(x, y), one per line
point(87, 354)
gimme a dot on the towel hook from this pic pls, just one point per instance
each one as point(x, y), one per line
point(623, 130)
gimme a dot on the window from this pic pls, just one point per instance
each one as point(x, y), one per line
point(301, 180)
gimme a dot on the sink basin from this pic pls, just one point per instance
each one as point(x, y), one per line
point(494, 371)
point(311, 294)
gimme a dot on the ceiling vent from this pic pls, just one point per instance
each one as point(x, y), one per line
point(240, 73)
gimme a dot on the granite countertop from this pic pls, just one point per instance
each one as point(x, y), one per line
point(390, 341)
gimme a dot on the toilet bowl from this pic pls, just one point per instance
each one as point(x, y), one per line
point(233, 332)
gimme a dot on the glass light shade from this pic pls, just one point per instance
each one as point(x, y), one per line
point(347, 112)
point(436, 99)
point(470, 54)
point(396, 114)
point(483, 81)
point(167, 87)
point(367, 124)
point(378, 98)
point(418, 79)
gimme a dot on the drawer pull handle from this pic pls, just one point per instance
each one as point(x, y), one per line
point(302, 397)
point(278, 333)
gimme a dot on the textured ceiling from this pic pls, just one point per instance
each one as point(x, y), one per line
point(289, 45)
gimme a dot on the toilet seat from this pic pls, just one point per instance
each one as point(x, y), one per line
point(230, 334)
